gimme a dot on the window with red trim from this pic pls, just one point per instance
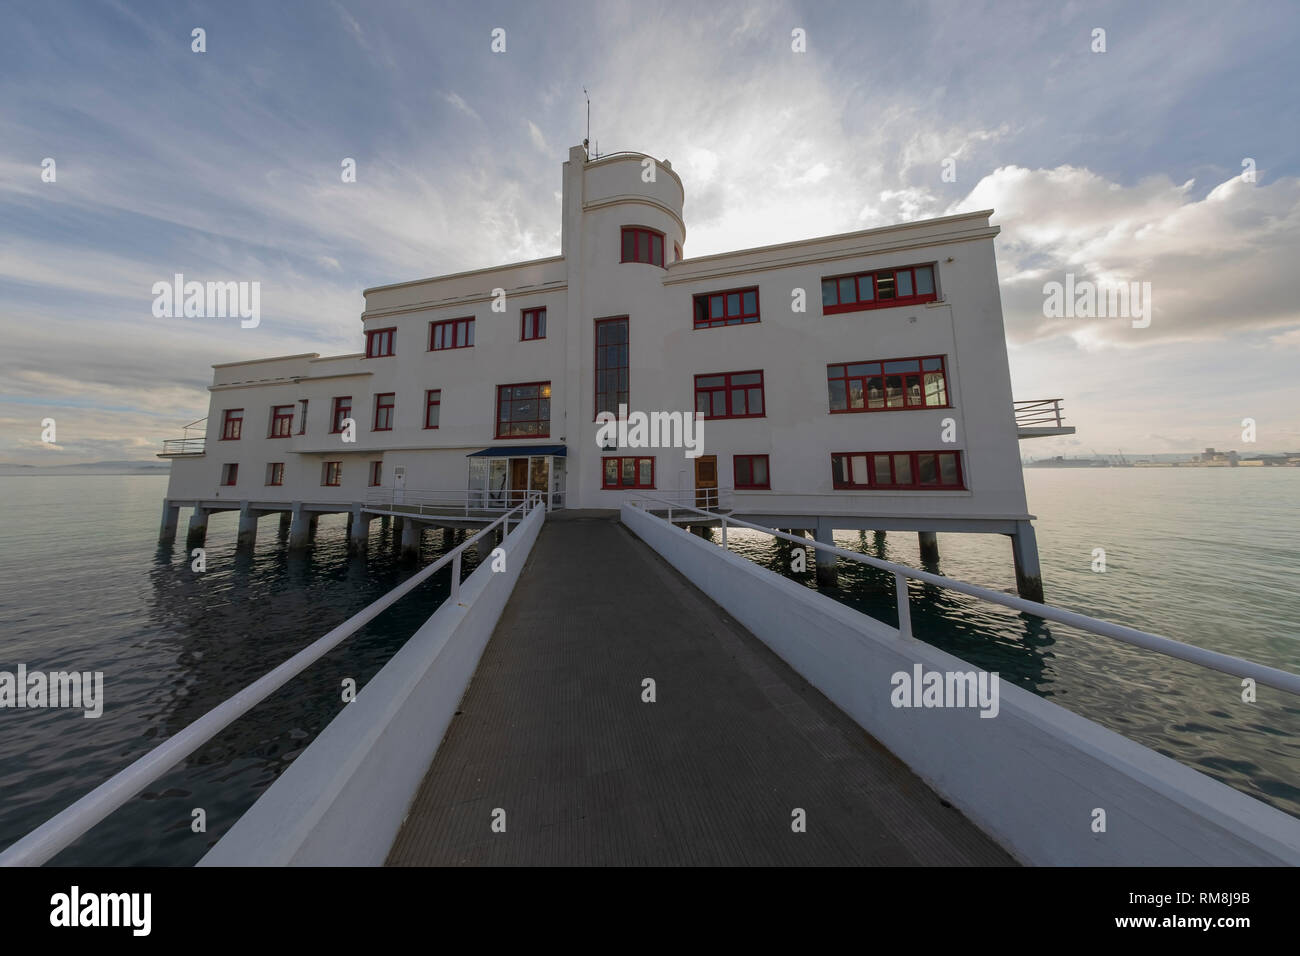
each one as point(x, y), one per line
point(750, 471)
point(302, 422)
point(281, 421)
point(451, 334)
point(232, 424)
point(384, 403)
point(643, 245)
point(736, 307)
point(887, 385)
point(342, 410)
point(730, 395)
point(432, 407)
point(532, 325)
point(524, 411)
point(878, 290)
point(380, 342)
point(611, 364)
point(897, 470)
point(229, 474)
point(376, 474)
point(628, 472)
point(331, 474)
point(275, 473)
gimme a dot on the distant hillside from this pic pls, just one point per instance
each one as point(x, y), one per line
point(10, 470)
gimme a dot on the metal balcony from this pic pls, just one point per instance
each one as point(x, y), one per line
point(1040, 418)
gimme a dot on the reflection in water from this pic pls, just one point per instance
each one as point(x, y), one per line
point(220, 630)
point(1183, 711)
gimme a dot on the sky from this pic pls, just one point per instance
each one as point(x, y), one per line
point(1171, 157)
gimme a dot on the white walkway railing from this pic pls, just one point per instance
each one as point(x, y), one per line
point(1225, 663)
point(61, 830)
point(470, 504)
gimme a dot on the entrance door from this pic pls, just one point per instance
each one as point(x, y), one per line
point(706, 481)
point(399, 484)
point(518, 480)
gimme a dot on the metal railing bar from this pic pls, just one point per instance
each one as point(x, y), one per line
point(1214, 660)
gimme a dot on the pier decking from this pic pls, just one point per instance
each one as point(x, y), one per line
point(554, 732)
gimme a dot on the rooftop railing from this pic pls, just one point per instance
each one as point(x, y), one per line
point(59, 831)
point(1224, 663)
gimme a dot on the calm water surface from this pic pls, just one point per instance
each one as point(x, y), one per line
point(1207, 556)
point(84, 586)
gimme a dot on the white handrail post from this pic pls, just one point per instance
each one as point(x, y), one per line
point(904, 608)
point(455, 575)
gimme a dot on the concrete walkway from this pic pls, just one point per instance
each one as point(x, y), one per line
point(554, 732)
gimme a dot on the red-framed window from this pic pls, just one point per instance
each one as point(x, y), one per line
point(232, 424)
point(380, 342)
point(451, 334)
point(229, 474)
point(524, 410)
point(643, 245)
point(432, 407)
point(750, 471)
point(275, 473)
point(376, 474)
point(611, 364)
point(331, 475)
point(734, 307)
point(532, 324)
point(628, 472)
point(342, 410)
point(888, 385)
point(302, 422)
point(730, 394)
point(878, 290)
point(281, 421)
point(897, 470)
point(384, 403)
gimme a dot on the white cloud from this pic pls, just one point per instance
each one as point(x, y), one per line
point(1219, 266)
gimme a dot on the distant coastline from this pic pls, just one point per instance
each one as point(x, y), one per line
point(10, 470)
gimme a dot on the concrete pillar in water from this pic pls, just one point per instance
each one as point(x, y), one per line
point(1024, 549)
point(398, 524)
point(247, 526)
point(358, 531)
point(410, 539)
point(299, 523)
point(929, 545)
point(198, 531)
point(826, 573)
point(383, 522)
point(171, 515)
